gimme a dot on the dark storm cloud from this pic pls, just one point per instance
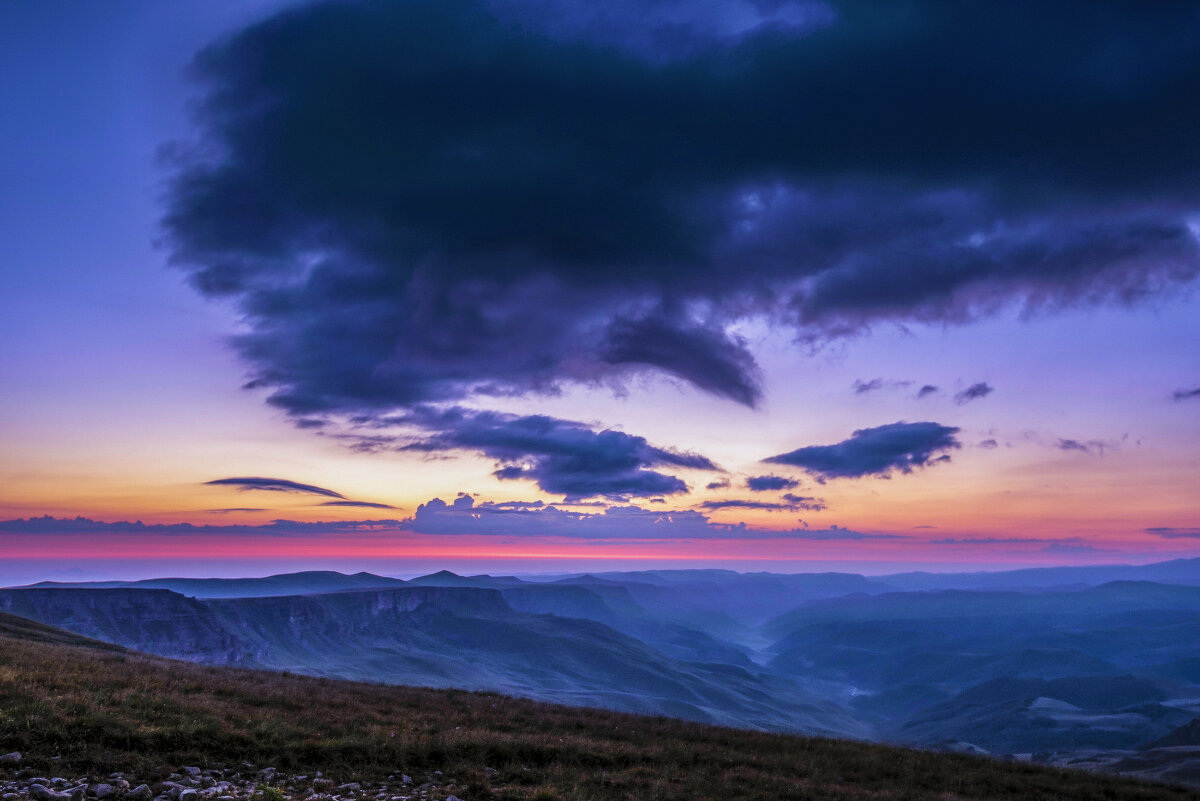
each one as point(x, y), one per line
point(876, 451)
point(1186, 394)
point(359, 504)
point(560, 456)
point(770, 483)
point(429, 201)
point(973, 392)
point(273, 485)
point(708, 359)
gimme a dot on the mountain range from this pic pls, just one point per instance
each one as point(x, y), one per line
point(1064, 665)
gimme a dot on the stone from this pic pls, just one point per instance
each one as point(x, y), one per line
point(140, 793)
point(10, 759)
point(404, 777)
point(103, 790)
point(193, 772)
point(188, 795)
point(40, 792)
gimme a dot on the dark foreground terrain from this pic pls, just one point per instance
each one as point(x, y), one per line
point(83, 710)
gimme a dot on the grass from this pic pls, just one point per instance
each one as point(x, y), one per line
point(74, 707)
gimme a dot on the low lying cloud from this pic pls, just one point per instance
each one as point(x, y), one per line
point(273, 485)
point(47, 525)
point(876, 451)
point(464, 516)
point(359, 504)
point(1169, 533)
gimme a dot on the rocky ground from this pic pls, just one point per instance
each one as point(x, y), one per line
point(243, 782)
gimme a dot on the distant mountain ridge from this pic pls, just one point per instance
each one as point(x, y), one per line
point(998, 667)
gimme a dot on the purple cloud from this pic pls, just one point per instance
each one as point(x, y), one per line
point(876, 451)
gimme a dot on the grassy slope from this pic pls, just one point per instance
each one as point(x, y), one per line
point(102, 710)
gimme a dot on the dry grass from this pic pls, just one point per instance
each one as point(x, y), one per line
point(102, 711)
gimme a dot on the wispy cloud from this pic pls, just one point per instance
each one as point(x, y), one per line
point(255, 483)
point(1186, 394)
point(359, 504)
point(1170, 533)
point(1093, 446)
point(974, 392)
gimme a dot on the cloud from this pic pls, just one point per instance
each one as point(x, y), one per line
point(805, 503)
point(1068, 548)
point(234, 509)
point(863, 387)
point(47, 525)
point(1069, 545)
point(876, 451)
point(359, 504)
point(988, 444)
point(738, 503)
point(463, 516)
point(273, 485)
point(1167, 532)
point(441, 202)
point(926, 391)
point(1186, 394)
point(1092, 446)
point(790, 503)
point(560, 456)
point(716, 485)
point(770, 483)
point(973, 392)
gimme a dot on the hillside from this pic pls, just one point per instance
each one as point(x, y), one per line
point(80, 709)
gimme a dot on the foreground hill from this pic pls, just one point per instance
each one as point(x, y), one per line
point(76, 709)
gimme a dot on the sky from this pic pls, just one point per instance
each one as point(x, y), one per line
point(541, 285)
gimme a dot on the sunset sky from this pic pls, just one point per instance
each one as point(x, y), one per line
point(543, 285)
